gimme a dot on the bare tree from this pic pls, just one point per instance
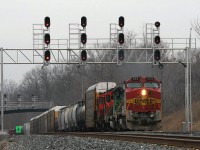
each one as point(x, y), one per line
point(196, 27)
point(11, 90)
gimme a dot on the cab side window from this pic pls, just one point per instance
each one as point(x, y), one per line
point(107, 98)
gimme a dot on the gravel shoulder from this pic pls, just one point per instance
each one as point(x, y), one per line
point(64, 142)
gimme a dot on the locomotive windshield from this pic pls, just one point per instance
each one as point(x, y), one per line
point(134, 85)
point(151, 85)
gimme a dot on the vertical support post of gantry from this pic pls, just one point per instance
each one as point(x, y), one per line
point(187, 115)
point(190, 80)
point(2, 107)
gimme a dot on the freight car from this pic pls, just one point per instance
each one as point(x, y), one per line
point(46, 122)
point(26, 128)
point(72, 118)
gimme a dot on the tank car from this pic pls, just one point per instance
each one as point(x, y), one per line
point(77, 116)
point(72, 118)
point(61, 119)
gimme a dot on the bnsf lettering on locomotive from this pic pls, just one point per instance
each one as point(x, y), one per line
point(137, 101)
point(146, 101)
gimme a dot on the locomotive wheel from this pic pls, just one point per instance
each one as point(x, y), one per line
point(130, 125)
point(97, 127)
point(108, 128)
point(122, 124)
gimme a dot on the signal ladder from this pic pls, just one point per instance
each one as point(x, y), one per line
point(113, 34)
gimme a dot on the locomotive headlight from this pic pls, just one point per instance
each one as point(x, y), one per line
point(144, 92)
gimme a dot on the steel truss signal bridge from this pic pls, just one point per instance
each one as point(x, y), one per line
point(176, 49)
point(20, 107)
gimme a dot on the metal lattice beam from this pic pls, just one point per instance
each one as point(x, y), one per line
point(95, 56)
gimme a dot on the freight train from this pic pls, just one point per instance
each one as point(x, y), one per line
point(133, 105)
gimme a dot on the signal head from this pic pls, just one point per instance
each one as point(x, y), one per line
point(121, 21)
point(47, 22)
point(83, 55)
point(157, 55)
point(157, 39)
point(47, 38)
point(121, 38)
point(47, 55)
point(83, 21)
point(157, 24)
point(83, 38)
point(121, 55)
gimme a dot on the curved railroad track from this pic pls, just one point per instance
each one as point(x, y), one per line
point(173, 140)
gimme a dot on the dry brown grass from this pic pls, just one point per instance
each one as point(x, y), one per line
point(174, 121)
point(4, 145)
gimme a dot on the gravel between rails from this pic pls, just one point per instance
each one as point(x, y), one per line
point(63, 142)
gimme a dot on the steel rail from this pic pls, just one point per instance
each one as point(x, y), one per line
point(171, 140)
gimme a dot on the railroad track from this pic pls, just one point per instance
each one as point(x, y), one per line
point(172, 140)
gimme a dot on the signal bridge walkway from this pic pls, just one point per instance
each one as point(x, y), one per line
point(21, 107)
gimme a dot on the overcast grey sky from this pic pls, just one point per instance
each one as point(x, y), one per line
point(18, 16)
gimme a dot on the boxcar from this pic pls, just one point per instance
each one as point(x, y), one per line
point(26, 128)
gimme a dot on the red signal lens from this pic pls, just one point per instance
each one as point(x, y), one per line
point(47, 55)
